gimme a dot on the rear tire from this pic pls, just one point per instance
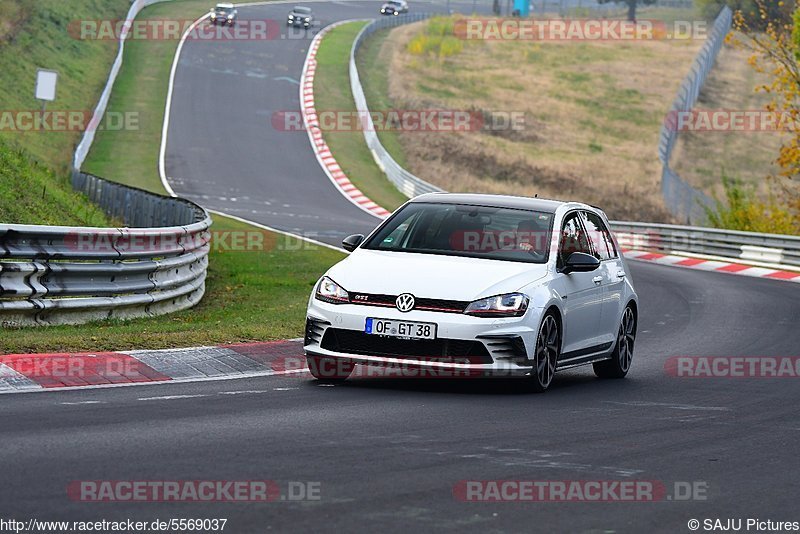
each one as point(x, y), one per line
point(329, 370)
point(546, 352)
point(620, 362)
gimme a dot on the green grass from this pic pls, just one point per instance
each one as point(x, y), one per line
point(34, 182)
point(250, 296)
point(43, 40)
point(332, 93)
point(31, 193)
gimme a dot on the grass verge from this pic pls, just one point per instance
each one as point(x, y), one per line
point(332, 93)
point(31, 193)
point(34, 162)
point(250, 295)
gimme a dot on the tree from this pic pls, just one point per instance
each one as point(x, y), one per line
point(632, 4)
point(749, 10)
point(773, 38)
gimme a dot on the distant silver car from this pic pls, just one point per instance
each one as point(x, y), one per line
point(484, 284)
point(394, 7)
point(300, 16)
point(224, 14)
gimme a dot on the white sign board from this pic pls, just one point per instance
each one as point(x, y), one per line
point(46, 84)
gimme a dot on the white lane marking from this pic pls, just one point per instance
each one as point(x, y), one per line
point(244, 392)
point(286, 79)
point(271, 229)
point(162, 169)
point(170, 397)
point(82, 402)
point(670, 406)
point(283, 389)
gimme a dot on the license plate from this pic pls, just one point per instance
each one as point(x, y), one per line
point(406, 329)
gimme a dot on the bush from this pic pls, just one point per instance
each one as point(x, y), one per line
point(744, 211)
point(436, 39)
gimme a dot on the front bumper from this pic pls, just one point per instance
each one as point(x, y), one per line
point(465, 345)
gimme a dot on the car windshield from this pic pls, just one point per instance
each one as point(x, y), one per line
point(465, 230)
point(223, 10)
point(394, 4)
point(302, 10)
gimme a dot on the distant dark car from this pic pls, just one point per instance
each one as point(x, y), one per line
point(394, 7)
point(224, 14)
point(300, 16)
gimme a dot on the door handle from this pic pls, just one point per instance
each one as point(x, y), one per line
point(620, 274)
point(597, 279)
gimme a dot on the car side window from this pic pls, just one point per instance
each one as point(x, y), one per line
point(573, 239)
point(599, 236)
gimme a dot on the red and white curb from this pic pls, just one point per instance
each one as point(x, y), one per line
point(41, 372)
point(320, 147)
point(718, 266)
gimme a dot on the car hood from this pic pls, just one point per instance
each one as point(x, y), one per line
point(432, 276)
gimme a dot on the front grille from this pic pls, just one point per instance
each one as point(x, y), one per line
point(435, 350)
point(424, 304)
point(314, 329)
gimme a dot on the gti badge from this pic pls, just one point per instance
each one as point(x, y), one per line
point(405, 302)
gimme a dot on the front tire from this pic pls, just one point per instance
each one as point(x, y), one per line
point(548, 347)
point(329, 370)
point(621, 357)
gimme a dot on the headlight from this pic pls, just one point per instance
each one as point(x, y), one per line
point(213, 16)
point(291, 17)
point(509, 305)
point(308, 20)
point(330, 291)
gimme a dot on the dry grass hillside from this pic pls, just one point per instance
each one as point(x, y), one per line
point(592, 116)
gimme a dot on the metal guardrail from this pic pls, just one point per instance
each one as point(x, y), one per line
point(70, 275)
point(156, 263)
point(746, 246)
point(407, 183)
point(680, 198)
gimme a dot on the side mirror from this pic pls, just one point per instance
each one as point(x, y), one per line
point(350, 242)
point(580, 262)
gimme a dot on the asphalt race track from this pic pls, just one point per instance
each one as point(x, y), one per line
point(387, 453)
point(223, 150)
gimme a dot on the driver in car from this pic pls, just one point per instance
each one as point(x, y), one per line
point(530, 237)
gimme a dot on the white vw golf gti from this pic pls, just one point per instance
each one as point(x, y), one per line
point(463, 284)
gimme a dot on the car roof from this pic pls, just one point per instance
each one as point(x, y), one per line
point(226, 6)
point(498, 201)
point(301, 8)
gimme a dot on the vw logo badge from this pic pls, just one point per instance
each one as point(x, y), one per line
point(405, 302)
